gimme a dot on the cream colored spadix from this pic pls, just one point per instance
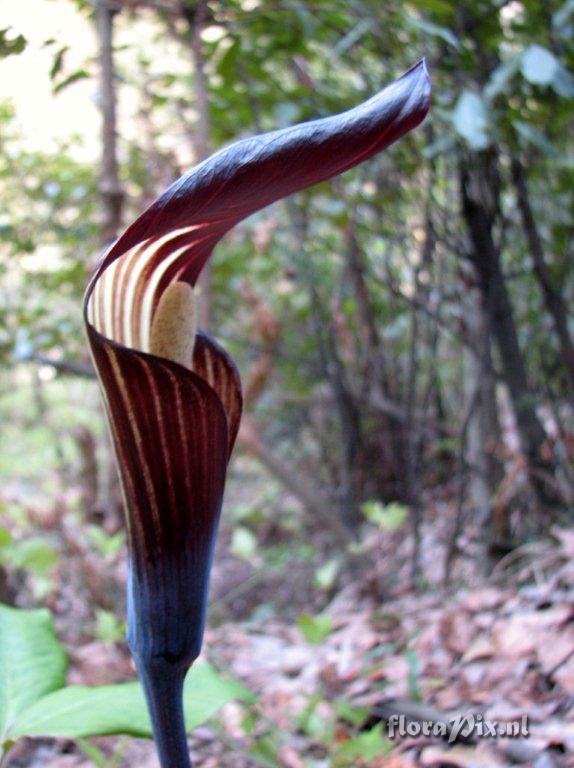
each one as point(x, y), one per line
point(174, 324)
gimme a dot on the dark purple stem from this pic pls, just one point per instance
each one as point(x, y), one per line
point(163, 685)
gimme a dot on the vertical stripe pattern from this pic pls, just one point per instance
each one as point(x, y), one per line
point(173, 428)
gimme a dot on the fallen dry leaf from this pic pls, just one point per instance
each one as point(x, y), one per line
point(457, 631)
point(481, 648)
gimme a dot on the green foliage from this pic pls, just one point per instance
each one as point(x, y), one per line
point(243, 543)
point(32, 664)
point(389, 517)
point(11, 44)
point(538, 65)
point(79, 74)
point(364, 747)
point(413, 677)
point(98, 757)
point(37, 554)
point(353, 715)
point(35, 702)
point(108, 628)
point(47, 221)
point(326, 574)
point(106, 545)
point(60, 76)
point(360, 748)
point(470, 119)
point(313, 723)
point(315, 628)
point(80, 712)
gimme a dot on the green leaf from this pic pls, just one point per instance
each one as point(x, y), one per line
point(563, 83)
point(539, 65)
point(80, 74)
point(108, 627)
point(352, 36)
point(561, 17)
point(36, 554)
point(352, 714)
point(32, 664)
point(5, 538)
point(313, 723)
point(435, 30)
point(243, 543)
point(80, 712)
point(441, 146)
point(366, 746)
point(58, 62)
point(315, 628)
point(389, 517)
point(34, 701)
point(108, 545)
point(93, 753)
point(501, 77)
point(471, 121)
point(326, 574)
point(227, 65)
point(441, 8)
point(414, 666)
point(266, 749)
point(535, 137)
point(11, 45)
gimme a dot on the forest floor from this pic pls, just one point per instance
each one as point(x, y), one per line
point(327, 665)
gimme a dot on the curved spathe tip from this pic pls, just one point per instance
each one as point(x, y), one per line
point(252, 173)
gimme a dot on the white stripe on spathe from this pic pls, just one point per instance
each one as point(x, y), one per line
point(122, 279)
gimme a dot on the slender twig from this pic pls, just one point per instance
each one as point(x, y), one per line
point(68, 367)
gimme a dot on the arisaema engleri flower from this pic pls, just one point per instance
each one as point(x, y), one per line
point(173, 396)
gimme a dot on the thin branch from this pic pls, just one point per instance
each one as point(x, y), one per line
point(66, 367)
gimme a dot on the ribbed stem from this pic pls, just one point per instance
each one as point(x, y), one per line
point(163, 686)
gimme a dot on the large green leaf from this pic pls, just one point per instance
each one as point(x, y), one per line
point(471, 120)
point(539, 65)
point(78, 711)
point(32, 663)
point(34, 701)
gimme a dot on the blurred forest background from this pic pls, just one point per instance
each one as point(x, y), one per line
point(398, 519)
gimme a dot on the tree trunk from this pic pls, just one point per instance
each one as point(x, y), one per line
point(552, 297)
point(483, 433)
point(480, 184)
point(110, 188)
point(195, 14)
point(112, 198)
